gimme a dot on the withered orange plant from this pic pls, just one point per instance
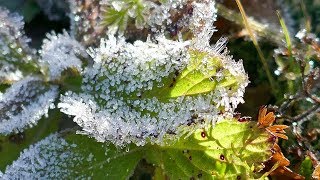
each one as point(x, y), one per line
point(276, 167)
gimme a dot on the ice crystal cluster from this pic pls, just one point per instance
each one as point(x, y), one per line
point(30, 96)
point(37, 161)
point(130, 94)
point(13, 46)
point(24, 103)
point(149, 90)
point(60, 52)
point(132, 91)
point(173, 17)
point(157, 15)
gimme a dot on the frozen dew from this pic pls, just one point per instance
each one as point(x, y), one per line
point(301, 34)
point(24, 103)
point(12, 38)
point(14, 48)
point(11, 23)
point(90, 157)
point(60, 52)
point(171, 17)
point(204, 15)
point(9, 72)
point(113, 105)
point(51, 158)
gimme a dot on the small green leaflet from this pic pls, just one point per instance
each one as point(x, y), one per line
point(192, 80)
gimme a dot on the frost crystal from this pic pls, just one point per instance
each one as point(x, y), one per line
point(170, 16)
point(60, 52)
point(11, 26)
point(204, 15)
point(126, 96)
point(24, 103)
point(14, 49)
point(51, 158)
point(116, 104)
point(9, 72)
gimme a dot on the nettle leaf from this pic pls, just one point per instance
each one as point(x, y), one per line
point(16, 58)
point(229, 150)
point(104, 160)
point(11, 145)
point(139, 92)
point(73, 156)
point(24, 103)
point(60, 52)
point(196, 78)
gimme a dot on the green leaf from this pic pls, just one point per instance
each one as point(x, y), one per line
point(108, 161)
point(11, 145)
point(196, 78)
point(115, 19)
point(229, 150)
point(29, 10)
point(306, 168)
point(16, 57)
point(192, 80)
point(24, 103)
point(74, 156)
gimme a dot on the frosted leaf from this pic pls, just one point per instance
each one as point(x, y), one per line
point(15, 55)
point(51, 158)
point(60, 52)
point(127, 95)
point(24, 103)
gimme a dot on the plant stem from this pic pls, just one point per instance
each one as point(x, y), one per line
point(255, 42)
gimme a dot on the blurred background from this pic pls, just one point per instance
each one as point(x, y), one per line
point(291, 90)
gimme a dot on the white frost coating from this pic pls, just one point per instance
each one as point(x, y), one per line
point(60, 52)
point(11, 32)
point(204, 15)
point(8, 72)
point(114, 104)
point(51, 158)
point(110, 109)
point(24, 103)
point(13, 46)
point(11, 25)
point(156, 15)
